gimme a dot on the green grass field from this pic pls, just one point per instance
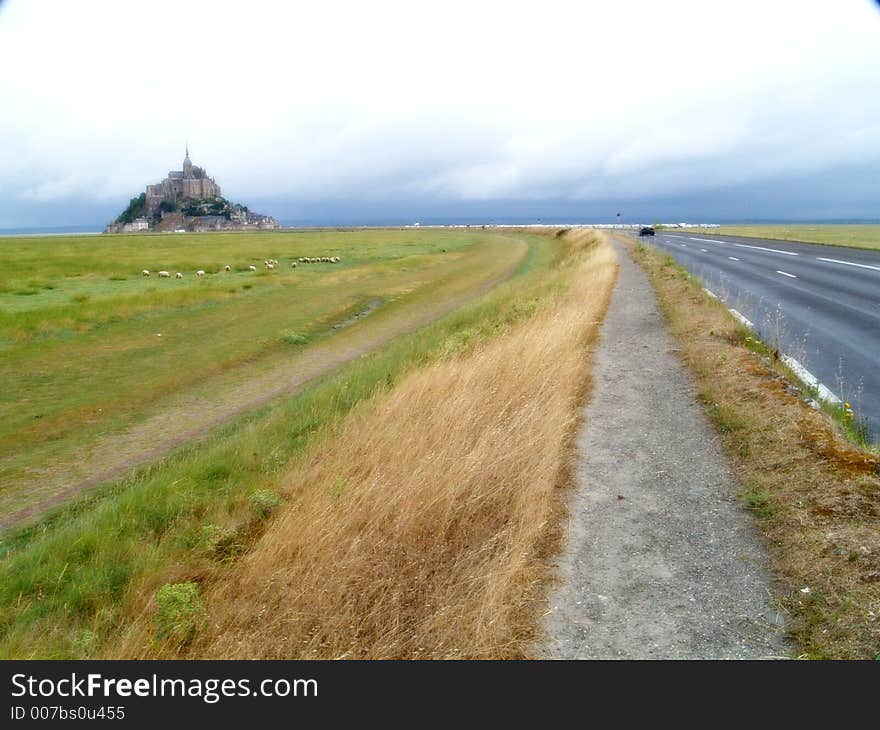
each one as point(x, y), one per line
point(82, 370)
point(90, 347)
point(855, 236)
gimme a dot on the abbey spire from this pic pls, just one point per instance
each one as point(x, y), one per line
point(187, 165)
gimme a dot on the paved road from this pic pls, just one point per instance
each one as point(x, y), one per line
point(823, 301)
point(660, 562)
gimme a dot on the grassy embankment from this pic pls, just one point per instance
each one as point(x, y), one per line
point(856, 236)
point(72, 583)
point(90, 348)
point(422, 524)
point(816, 496)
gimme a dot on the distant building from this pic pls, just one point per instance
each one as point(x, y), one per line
point(187, 200)
point(138, 224)
point(189, 183)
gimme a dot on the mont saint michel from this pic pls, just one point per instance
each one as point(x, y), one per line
point(187, 200)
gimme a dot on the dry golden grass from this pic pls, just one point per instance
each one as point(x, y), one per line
point(423, 528)
point(816, 497)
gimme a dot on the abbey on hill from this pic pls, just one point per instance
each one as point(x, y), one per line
point(186, 200)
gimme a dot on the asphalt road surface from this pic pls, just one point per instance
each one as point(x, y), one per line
point(821, 304)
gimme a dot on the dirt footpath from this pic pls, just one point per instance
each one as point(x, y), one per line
point(661, 562)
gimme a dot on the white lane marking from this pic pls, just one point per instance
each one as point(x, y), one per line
point(683, 245)
point(785, 273)
point(810, 379)
point(707, 240)
point(710, 293)
point(849, 263)
point(742, 319)
point(772, 250)
point(704, 250)
point(733, 258)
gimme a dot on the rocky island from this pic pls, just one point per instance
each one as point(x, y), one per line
point(187, 200)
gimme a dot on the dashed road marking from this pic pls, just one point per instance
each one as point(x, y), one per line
point(849, 263)
point(707, 240)
point(704, 250)
point(785, 273)
point(771, 250)
point(733, 258)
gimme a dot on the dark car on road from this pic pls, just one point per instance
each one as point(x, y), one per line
point(646, 231)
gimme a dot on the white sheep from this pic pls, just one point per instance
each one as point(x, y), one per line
point(200, 272)
point(293, 264)
point(270, 266)
point(145, 272)
point(252, 268)
point(178, 275)
point(227, 268)
point(164, 275)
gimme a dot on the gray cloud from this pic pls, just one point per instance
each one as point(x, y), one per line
point(455, 109)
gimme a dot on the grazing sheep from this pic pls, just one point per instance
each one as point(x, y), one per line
point(252, 268)
point(293, 264)
point(334, 259)
point(270, 266)
point(200, 272)
point(178, 275)
point(145, 272)
point(164, 275)
point(227, 268)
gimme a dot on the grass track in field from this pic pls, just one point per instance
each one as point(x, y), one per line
point(76, 378)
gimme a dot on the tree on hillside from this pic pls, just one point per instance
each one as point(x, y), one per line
point(135, 209)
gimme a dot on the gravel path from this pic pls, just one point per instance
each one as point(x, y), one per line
point(661, 561)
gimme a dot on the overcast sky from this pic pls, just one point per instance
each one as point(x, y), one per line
point(383, 108)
